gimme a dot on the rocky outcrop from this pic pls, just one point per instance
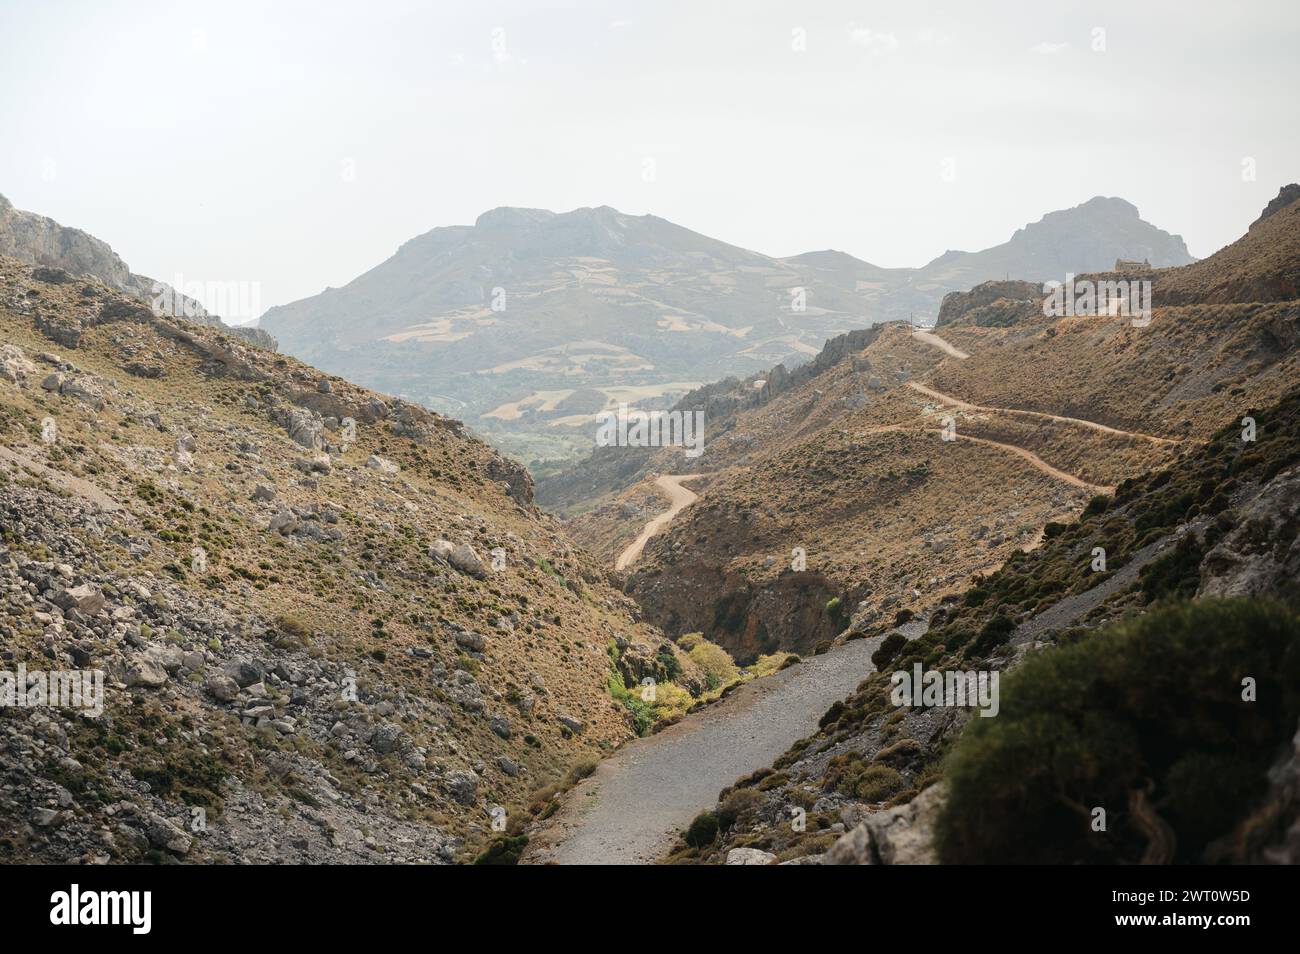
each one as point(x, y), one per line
point(902, 835)
point(1013, 294)
point(1260, 556)
point(1285, 196)
point(62, 254)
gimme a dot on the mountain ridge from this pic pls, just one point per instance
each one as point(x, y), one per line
point(40, 240)
point(499, 321)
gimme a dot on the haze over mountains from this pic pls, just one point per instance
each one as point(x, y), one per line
point(529, 322)
point(240, 541)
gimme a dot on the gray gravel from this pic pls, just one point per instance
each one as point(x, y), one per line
point(632, 809)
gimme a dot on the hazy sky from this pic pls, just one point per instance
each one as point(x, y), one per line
point(296, 145)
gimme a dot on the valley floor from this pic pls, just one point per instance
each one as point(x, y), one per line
point(632, 809)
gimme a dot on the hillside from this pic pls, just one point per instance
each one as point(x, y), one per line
point(1118, 692)
point(529, 322)
point(843, 458)
point(1112, 529)
point(57, 248)
point(329, 619)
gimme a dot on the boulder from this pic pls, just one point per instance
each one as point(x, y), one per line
point(85, 599)
point(145, 673)
point(852, 848)
point(902, 835)
point(462, 786)
point(474, 642)
point(222, 688)
point(84, 389)
point(245, 672)
point(381, 464)
point(465, 559)
point(570, 723)
point(305, 428)
point(387, 738)
point(283, 522)
point(168, 835)
point(749, 856)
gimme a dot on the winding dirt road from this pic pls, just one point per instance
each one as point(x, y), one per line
point(932, 339)
point(631, 809)
point(680, 498)
point(961, 405)
point(1039, 464)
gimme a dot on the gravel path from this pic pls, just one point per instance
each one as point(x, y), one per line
point(1042, 415)
point(932, 339)
point(679, 496)
point(631, 810)
point(1071, 609)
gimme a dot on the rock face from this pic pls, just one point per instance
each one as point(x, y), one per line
point(749, 856)
point(1285, 196)
point(1261, 556)
point(902, 835)
point(1025, 297)
point(1279, 811)
point(65, 253)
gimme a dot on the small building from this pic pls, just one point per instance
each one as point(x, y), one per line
point(1132, 265)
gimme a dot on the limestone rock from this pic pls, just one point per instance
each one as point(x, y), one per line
point(749, 856)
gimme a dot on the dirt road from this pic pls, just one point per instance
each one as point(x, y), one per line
point(1040, 464)
point(678, 496)
point(961, 405)
point(932, 339)
point(631, 809)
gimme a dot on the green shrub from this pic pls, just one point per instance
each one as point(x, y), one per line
point(718, 666)
point(503, 851)
point(1175, 574)
point(1152, 703)
point(994, 633)
point(736, 804)
point(877, 783)
point(888, 650)
point(703, 830)
point(669, 667)
point(831, 715)
point(1096, 505)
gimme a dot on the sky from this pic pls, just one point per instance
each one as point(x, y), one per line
point(291, 146)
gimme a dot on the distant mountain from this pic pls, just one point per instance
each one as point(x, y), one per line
point(42, 241)
point(501, 321)
point(842, 459)
point(1087, 238)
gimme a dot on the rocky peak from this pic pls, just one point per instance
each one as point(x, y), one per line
point(1285, 196)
